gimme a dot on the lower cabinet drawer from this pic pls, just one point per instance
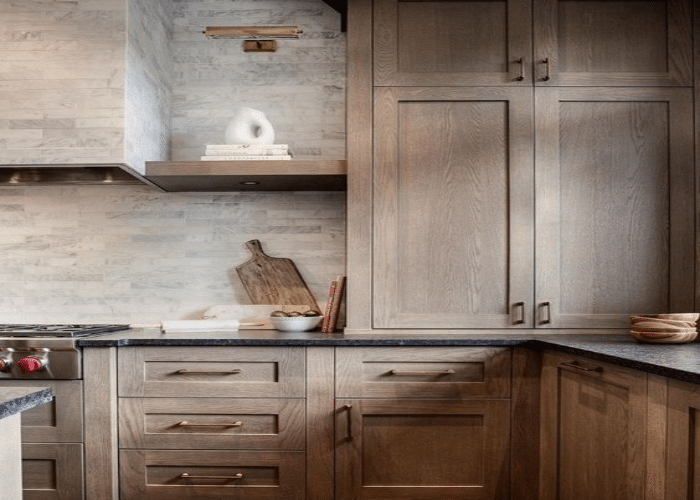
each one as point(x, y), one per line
point(201, 475)
point(52, 471)
point(211, 423)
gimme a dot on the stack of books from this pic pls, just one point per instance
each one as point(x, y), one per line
point(237, 152)
point(335, 296)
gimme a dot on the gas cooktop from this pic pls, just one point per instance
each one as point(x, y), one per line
point(79, 330)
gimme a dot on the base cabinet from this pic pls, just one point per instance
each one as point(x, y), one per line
point(683, 452)
point(422, 423)
point(593, 430)
point(189, 428)
point(422, 449)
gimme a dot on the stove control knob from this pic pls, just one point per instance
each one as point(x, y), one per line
point(5, 364)
point(31, 364)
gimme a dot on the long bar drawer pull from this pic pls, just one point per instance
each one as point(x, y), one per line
point(436, 373)
point(185, 423)
point(348, 409)
point(577, 366)
point(187, 475)
point(208, 372)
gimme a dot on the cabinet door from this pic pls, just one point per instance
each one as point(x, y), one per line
point(683, 452)
point(418, 449)
point(458, 42)
point(615, 209)
point(593, 431)
point(613, 42)
point(453, 205)
point(52, 471)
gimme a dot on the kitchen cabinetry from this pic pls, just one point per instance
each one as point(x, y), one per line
point(615, 205)
point(453, 235)
point(52, 442)
point(591, 43)
point(203, 422)
point(593, 430)
point(422, 423)
point(456, 242)
point(683, 455)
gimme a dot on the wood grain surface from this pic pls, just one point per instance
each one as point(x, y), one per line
point(273, 280)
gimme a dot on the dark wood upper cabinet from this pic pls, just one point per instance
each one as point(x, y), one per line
point(576, 42)
point(613, 42)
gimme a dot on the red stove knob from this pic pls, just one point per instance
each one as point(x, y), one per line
point(31, 364)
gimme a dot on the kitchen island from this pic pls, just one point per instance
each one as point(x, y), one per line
point(14, 401)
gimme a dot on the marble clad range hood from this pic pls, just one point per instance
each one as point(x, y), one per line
point(86, 89)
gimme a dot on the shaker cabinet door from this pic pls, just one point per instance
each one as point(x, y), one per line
point(422, 450)
point(613, 42)
point(455, 43)
point(615, 205)
point(453, 205)
point(593, 430)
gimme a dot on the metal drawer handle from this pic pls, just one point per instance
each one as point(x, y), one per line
point(547, 313)
point(519, 308)
point(546, 76)
point(348, 409)
point(187, 475)
point(577, 366)
point(437, 373)
point(212, 372)
point(185, 423)
point(521, 77)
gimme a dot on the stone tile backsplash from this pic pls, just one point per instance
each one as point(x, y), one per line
point(132, 254)
point(301, 87)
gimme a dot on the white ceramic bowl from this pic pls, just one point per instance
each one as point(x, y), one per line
point(295, 323)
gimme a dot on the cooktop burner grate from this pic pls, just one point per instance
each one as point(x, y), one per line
point(18, 330)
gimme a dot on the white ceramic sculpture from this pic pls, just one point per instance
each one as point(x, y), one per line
point(249, 126)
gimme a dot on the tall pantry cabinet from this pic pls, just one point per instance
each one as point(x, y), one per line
point(518, 164)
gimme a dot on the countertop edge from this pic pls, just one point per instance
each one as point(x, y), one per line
point(17, 399)
point(680, 362)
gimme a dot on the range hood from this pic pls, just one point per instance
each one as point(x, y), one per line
point(66, 174)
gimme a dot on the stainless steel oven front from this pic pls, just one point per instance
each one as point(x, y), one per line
point(52, 434)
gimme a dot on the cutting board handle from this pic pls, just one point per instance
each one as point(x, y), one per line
point(255, 247)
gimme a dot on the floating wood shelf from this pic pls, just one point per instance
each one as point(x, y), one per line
point(298, 174)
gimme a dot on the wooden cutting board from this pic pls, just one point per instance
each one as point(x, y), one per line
point(272, 280)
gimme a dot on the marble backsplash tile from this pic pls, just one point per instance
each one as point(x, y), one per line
point(130, 254)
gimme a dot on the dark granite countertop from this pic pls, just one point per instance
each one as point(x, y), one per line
point(17, 399)
point(678, 361)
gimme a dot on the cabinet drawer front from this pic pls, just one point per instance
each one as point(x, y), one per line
point(207, 474)
point(422, 372)
point(239, 372)
point(52, 471)
point(61, 420)
point(211, 423)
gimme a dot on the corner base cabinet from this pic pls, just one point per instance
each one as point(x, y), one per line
point(593, 430)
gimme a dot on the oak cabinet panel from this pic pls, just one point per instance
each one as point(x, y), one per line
point(422, 372)
point(211, 423)
point(683, 450)
point(453, 237)
point(52, 471)
point(453, 43)
point(422, 449)
point(615, 205)
point(613, 42)
point(201, 475)
point(242, 372)
point(593, 430)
